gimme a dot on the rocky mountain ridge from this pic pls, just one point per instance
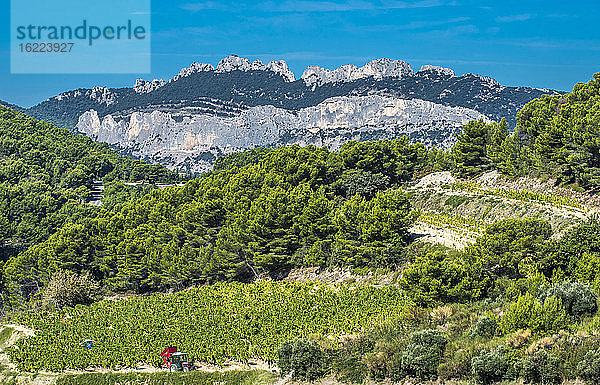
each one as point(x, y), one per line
point(9, 105)
point(236, 88)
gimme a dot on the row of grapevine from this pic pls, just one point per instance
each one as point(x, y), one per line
point(212, 323)
point(522, 195)
point(456, 222)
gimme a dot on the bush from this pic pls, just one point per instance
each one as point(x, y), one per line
point(490, 367)
point(349, 364)
point(542, 368)
point(422, 356)
point(68, 289)
point(303, 358)
point(577, 297)
point(363, 183)
point(528, 313)
point(383, 362)
point(436, 276)
point(486, 326)
point(458, 366)
point(589, 367)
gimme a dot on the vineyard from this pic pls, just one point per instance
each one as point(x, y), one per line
point(212, 323)
point(456, 222)
point(522, 195)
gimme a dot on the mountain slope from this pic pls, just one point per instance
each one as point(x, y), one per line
point(12, 106)
point(222, 95)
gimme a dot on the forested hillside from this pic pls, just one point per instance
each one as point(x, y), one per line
point(286, 207)
point(46, 173)
point(14, 107)
point(264, 211)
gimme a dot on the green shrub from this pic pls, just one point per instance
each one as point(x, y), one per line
point(509, 246)
point(5, 334)
point(422, 356)
point(303, 358)
point(589, 367)
point(197, 377)
point(349, 364)
point(490, 367)
point(541, 318)
point(458, 366)
point(68, 289)
point(486, 326)
point(577, 297)
point(510, 289)
point(542, 368)
point(363, 183)
point(436, 275)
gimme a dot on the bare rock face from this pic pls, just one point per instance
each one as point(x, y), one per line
point(378, 69)
point(192, 69)
point(228, 64)
point(258, 65)
point(233, 63)
point(100, 95)
point(193, 141)
point(143, 87)
point(486, 80)
point(280, 67)
point(437, 70)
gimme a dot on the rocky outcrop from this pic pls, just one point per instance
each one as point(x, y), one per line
point(437, 70)
point(192, 69)
point(280, 67)
point(378, 69)
point(100, 95)
point(143, 87)
point(206, 111)
point(194, 140)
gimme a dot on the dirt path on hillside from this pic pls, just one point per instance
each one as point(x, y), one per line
point(450, 237)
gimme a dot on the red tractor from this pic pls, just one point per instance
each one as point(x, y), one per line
point(176, 361)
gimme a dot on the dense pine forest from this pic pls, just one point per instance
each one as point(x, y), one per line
point(46, 173)
point(518, 302)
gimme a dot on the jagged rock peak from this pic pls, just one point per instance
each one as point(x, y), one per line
point(234, 62)
point(378, 68)
point(193, 68)
point(258, 65)
point(230, 63)
point(143, 86)
point(102, 95)
point(438, 70)
point(280, 67)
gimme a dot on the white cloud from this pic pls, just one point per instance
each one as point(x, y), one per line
point(412, 25)
point(320, 6)
point(203, 6)
point(512, 18)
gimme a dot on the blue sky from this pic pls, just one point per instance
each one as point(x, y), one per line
point(550, 44)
